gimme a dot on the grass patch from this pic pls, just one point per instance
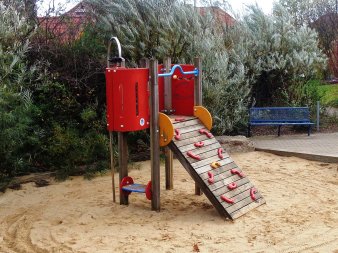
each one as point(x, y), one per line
point(329, 94)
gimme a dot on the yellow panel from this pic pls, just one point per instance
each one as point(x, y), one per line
point(204, 115)
point(166, 129)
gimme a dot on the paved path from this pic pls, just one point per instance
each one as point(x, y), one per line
point(318, 147)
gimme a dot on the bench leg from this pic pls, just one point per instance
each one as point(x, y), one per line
point(279, 130)
point(309, 130)
point(249, 131)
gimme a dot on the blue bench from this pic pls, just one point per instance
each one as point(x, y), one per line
point(279, 116)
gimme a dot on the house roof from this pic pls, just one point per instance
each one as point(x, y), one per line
point(221, 15)
point(69, 26)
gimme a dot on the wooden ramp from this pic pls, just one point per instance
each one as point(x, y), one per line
point(245, 196)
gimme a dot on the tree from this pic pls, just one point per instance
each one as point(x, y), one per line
point(159, 28)
point(282, 56)
point(17, 77)
point(322, 15)
point(308, 11)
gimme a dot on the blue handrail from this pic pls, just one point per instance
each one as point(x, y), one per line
point(194, 72)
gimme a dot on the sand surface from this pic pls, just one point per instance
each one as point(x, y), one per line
point(301, 214)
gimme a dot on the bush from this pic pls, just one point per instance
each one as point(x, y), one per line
point(18, 135)
point(282, 58)
point(48, 120)
point(158, 29)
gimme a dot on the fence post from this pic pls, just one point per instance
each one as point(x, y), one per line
point(318, 119)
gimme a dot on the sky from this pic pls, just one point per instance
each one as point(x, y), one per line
point(237, 5)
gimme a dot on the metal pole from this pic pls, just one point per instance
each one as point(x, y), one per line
point(112, 164)
point(318, 119)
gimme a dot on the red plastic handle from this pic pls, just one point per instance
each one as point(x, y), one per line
point(253, 191)
point(230, 201)
point(234, 171)
point(199, 144)
point(211, 177)
point(219, 152)
point(203, 131)
point(192, 155)
point(232, 186)
point(177, 134)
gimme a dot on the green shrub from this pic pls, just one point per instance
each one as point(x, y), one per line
point(282, 59)
point(329, 94)
point(18, 135)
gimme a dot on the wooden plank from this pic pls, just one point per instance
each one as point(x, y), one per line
point(173, 116)
point(207, 167)
point(167, 86)
point(222, 183)
point(189, 135)
point(205, 155)
point(186, 123)
point(193, 140)
point(192, 128)
point(207, 160)
point(247, 208)
point(169, 180)
point(192, 147)
point(154, 136)
point(223, 169)
point(205, 148)
point(224, 175)
point(241, 200)
point(112, 168)
point(198, 82)
point(242, 185)
point(199, 181)
point(168, 107)
point(123, 162)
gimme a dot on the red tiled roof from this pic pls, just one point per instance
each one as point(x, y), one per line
point(70, 25)
point(67, 27)
point(219, 14)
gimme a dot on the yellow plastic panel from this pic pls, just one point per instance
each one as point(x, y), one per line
point(204, 115)
point(166, 129)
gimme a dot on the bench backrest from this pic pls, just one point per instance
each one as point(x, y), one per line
point(279, 114)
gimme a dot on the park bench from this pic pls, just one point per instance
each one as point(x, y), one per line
point(279, 116)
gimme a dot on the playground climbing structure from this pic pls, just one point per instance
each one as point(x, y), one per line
point(181, 125)
point(225, 185)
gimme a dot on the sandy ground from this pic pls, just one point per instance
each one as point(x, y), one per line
point(301, 214)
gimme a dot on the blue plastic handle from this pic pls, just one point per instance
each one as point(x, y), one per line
point(194, 72)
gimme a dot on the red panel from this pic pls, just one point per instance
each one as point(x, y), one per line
point(183, 92)
point(127, 99)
